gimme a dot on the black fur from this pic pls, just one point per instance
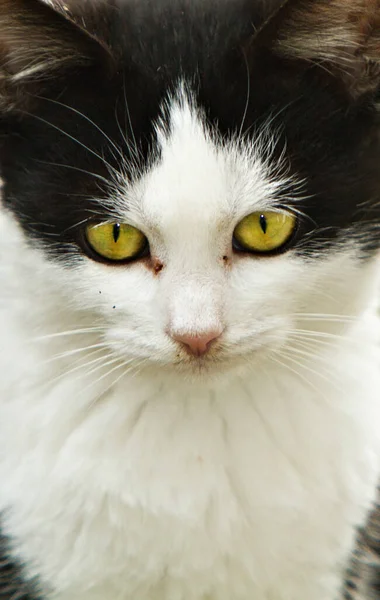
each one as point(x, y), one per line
point(364, 576)
point(13, 585)
point(333, 142)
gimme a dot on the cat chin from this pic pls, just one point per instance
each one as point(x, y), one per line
point(208, 371)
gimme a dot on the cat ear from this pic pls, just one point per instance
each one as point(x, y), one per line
point(37, 40)
point(343, 36)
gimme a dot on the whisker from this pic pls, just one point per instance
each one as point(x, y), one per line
point(68, 333)
point(312, 358)
point(132, 159)
point(309, 369)
point(299, 375)
point(78, 112)
point(326, 317)
point(112, 385)
point(136, 152)
point(112, 361)
point(79, 367)
point(95, 175)
point(74, 139)
point(85, 374)
point(123, 136)
point(318, 334)
point(312, 343)
point(248, 95)
point(326, 340)
point(109, 372)
point(72, 353)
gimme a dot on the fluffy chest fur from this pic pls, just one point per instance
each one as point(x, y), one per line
point(163, 489)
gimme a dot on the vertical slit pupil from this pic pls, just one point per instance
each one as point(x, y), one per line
point(116, 232)
point(263, 223)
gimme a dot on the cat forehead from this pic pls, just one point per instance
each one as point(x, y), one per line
point(189, 181)
point(198, 178)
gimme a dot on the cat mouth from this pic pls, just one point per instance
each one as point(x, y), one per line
point(223, 358)
point(199, 362)
point(217, 361)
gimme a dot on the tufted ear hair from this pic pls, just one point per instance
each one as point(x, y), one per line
point(343, 36)
point(38, 40)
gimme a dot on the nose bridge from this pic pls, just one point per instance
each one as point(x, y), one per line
point(195, 304)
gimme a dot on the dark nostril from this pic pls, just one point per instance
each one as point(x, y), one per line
point(199, 344)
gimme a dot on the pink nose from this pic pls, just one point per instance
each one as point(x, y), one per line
point(199, 344)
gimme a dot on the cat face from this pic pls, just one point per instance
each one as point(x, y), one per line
point(193, 282)
point(242, 181)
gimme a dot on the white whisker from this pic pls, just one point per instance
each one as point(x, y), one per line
point(69, 332)
point(78, 112)
point(79, 367)
point(274, 357)
point(326, 317)
point(304, 366)
point(314, 344)
point(95, 175)
point(318, 334)
point(248, 96)
point(72, 353)
point(74, 139)
point(112, 370)
point(136, 151)
point(312, 358)
point(113, 384)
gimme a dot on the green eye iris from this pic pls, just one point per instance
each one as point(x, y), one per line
point(116, 242)
point(263, 232)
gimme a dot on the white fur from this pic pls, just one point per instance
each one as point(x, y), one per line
point(128, 473)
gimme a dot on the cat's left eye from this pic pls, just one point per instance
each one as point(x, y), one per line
point(116, 242)
point(265, 232)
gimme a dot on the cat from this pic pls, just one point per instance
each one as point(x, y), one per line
point(189, 247)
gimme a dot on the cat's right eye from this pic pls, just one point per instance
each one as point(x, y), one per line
point(115, 242)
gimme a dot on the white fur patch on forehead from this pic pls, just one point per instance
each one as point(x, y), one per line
point(202, 181)
point(191, 176)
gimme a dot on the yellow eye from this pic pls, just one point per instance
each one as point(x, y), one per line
point(264, 231)
point(116, 242)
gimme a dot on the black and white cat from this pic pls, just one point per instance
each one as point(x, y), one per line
point(189, 265)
